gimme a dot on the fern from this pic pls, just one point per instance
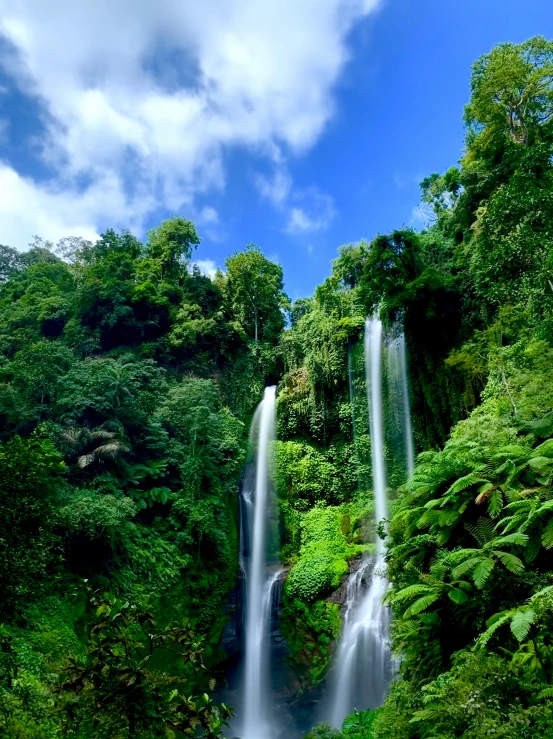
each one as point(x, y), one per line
point(547, 535)
point(465, 482)
point(493, 624)
point(516, 538)
point(420, 605)
point(410, 591)
point(512, 563)
point(483, 530)
point(464, 567)
point(495, 504)
point(482, 571)
point(458, 596)
point(521, 623)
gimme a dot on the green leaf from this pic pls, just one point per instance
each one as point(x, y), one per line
point(482, 571)
point(493, 623)
point(495, 503)
point(410, 591)
point(544, 591)
point(512, 563)
point(420, 605)
point(547, 535)
point(532, 549)
point(540, 463)
point(466, 566)
point(458, 596)
point(465, 482)
point(547, 506)
point(521, 623)
point(515, 538)
point(544, 450)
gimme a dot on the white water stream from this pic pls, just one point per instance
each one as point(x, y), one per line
point(398, 393)
point(363, 668)
point(258, 721)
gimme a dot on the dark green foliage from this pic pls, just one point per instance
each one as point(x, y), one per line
point(31, 473)
point(115, 688)
point(120, 459)
point(10, 262)
point(357, 726)
point(469, 546)
point(254, 288)
point(310, 630)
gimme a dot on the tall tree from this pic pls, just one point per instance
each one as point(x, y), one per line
point(171, 244)
point(255, 292)
point(10, 262)
point(512, 92)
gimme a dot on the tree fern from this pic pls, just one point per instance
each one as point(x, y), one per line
point(521, 623)
point(482, 571)
point(421, 604)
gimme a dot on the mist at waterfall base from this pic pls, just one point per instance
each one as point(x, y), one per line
point(363, 667)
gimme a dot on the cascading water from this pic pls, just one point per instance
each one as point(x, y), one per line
point(261, 579)
point(364, 665)
point(398, 401)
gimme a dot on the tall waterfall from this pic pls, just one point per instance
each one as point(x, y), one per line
point(363, 668)
point(373, 372)
point(261, 579)
point(398, 400)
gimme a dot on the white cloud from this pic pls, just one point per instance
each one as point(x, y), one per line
point(208, 215)
point(26, 209)
point(206, 266)
point(314, 212)
point(259, 75)
point(305, 211)
point(275, 188)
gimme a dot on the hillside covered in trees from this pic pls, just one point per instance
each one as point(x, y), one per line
point(128, 381)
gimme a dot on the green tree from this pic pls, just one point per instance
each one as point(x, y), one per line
point(116, 691)
point(31, 474)
point(254, 288)
point(512, 93)
point(171, 245)
point(10, 262)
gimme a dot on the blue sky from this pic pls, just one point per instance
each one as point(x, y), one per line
point(299, 127)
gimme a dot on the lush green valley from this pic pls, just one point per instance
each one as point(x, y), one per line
point(128, 381)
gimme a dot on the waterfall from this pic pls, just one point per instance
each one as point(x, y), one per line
point(257, 516)
point(398, 401)
point(363, 668)
point(373, 372)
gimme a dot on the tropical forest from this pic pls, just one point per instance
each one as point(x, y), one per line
point(224, 513)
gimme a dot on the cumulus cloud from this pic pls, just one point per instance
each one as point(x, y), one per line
point(275, 188)
point(146, 100)
point(206, 266)
point(314, 212)
point(304, 211)
point(26, 209)
point(209, 215)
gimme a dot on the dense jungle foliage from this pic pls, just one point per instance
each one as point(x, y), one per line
point(470, 538)
point(127, 384)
